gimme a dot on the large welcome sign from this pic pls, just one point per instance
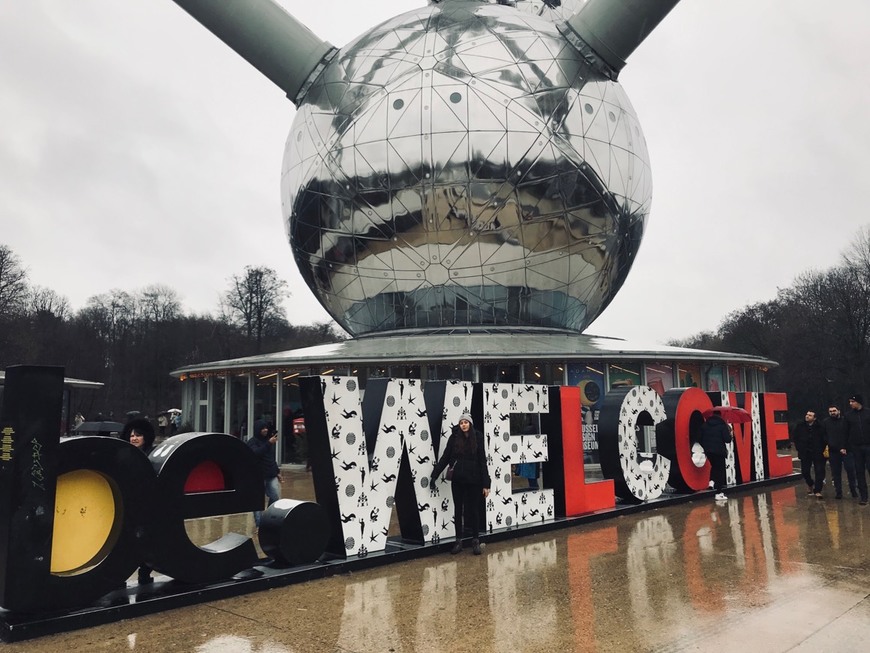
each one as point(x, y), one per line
point(373, 454)
point(77, 517)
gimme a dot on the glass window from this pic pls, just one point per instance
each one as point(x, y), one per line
point(189, 401)
point(266, 398)
point(293, 444)
point(624, 374)
point(379, 372)
point(405, 371)
point(544, 373)
point(292, 397)
point(715, 378)
point(201, 416)
point(751, 379)
point(218, 405)
point(660, 377)
point(735, 378)
point(689, 375)
point(450, 372)
point(498, 373)
point(239, 405)
point(202, 389)
point(756, 379)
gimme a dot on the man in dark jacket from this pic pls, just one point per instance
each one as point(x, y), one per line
point(263, 445)
point(857, 431)
point(809, 440)
point(715, 436)
point(835, 427)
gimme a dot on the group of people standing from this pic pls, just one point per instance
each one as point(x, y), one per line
point(843, 439)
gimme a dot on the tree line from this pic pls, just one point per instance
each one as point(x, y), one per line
point(817, 329)
point(131, 341)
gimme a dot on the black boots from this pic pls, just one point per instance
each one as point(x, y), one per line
point(475, 547)
point(144, 576)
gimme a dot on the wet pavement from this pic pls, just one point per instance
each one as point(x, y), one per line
point(766, 571)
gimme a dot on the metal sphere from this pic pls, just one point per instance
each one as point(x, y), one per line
point(553, 11)
point(463, 165)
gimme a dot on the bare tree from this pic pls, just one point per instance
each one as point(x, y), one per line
point(254, 302)
point(45, 301)
point(857, 254)
point(109, 318)
point(753, 330)
point(158, 303)
point(13, 282)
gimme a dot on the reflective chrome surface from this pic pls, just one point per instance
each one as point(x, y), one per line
point(553, 10)
point(462, 165)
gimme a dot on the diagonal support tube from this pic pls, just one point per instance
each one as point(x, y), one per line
point(267, 37)
point(614, 28)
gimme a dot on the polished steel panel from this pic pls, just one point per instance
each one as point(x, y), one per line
point(552, 10)
point(462, 164)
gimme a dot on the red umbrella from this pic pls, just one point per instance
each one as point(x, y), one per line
point(731, 414)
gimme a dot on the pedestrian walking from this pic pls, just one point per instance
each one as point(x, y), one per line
point(838, 456)
point(857, 431)
point(263, 445)
point(809, 439)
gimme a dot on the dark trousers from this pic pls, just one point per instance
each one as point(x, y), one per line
point(838, 462)
point(717, 471)
point(812, 464)
point(862, 461)
point(466, 499)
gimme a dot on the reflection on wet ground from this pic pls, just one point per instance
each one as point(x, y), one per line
point(770, 570)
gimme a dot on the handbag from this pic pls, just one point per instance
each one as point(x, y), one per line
point(449, 474)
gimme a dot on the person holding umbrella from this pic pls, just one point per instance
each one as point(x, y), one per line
point(162, 423)
point(715, 436)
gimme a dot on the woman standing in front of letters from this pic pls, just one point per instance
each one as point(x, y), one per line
point(465, 454)
point(140, 433)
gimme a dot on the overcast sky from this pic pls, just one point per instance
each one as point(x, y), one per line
point(136, 148)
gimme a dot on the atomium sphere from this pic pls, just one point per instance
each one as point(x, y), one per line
point(463, 165)
point(553, 10)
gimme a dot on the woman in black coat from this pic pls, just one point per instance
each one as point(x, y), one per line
point(465, 453)
point(140, 433)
